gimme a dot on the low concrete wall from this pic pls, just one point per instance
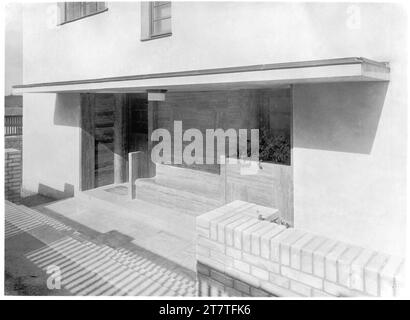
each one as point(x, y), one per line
point(12, 175)
point(270, 185)
point(237, 250)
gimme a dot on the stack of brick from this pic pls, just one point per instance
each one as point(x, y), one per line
point(241, 255)
point(13, 175)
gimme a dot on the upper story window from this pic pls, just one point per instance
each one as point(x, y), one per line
point(71, 11)
point(160, 17)
point(155, 19)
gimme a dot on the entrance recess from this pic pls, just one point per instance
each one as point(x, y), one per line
point(112, 126)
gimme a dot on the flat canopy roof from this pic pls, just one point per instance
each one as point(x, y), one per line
point(255, 76)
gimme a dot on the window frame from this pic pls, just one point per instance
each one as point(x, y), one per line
point(153, 35)
point(63, 12)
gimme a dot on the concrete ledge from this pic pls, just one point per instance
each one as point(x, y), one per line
point(234, 245)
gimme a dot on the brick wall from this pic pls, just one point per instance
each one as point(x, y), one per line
point(238, 254)
point(13, 176)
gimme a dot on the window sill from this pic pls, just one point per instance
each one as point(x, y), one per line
point(88, 15)
point(159, 36)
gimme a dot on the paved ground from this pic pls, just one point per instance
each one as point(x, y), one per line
point(89, 261)
point(163, 231)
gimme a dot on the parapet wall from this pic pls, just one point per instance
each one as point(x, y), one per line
point(240, 255)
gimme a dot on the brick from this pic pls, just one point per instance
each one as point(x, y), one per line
point(319, 257)
point(339, 291)
point(331, 261)
point(211, 244)
point(229, 229)
point(371, 273)
point(232, 292)
point(237, 235)
point(242, 266)
point(222, 278)
point(285, 245)
point(300, 288)
point(320, 293)
point(213, 225)
point(203, 269)
point(260, 262)
point(266, 238)
point(387, 276)
point(278, 291)
point(241, 286)
point(304, 278)
point(237, 204)
point(221, 226)
point(215, 288)
point(296, 251)
point(259, 273)
point(307, 254)
point(279, 280)
point(243, 276)
point(247, 233)
point(357, 269)
point(204, 232)
point(256, 237)
point(204, 219)
point(255, 292)
point(221, 258)
point(275, 242)
point(234, 253)
point(344, 265)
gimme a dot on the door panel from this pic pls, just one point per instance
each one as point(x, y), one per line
point(137, 133)
point(104, 138)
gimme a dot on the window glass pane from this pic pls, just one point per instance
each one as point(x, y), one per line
point(75, 10)
point(90, 7)
point(162, 12)
point(162, 26)
point(100, 6)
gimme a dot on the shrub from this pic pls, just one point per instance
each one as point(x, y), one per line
point(274, 147)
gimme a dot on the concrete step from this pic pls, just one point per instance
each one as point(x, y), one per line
point(182, 200)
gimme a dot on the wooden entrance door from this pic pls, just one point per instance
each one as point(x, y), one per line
point(104, 139)
point(97, 140)
point(100, 128)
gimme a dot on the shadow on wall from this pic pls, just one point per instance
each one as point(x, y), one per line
point(340, 117)
point(66, 109)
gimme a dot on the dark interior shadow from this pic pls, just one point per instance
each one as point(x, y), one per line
point(340, 117)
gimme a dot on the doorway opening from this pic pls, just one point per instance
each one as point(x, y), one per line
point(113, 125)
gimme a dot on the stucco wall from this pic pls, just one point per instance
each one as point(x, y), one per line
point(51, 138)
point(349, 163)
point(204, 35)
